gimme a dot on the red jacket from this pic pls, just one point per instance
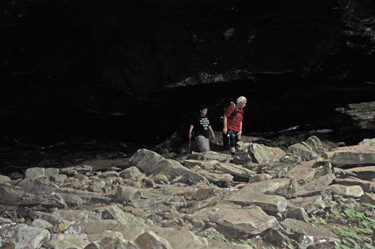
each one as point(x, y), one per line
point(233, 122)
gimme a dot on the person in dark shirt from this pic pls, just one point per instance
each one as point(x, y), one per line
point(202, 127)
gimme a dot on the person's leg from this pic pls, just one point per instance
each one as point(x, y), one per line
point(233, 142)
point(201, 143)
point(205, 143)
point(233, 150)
point(225, 140)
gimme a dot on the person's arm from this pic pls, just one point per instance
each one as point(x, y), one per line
point(225, 121)
point(240, 132)
point(212, 132)
point(227, 114)
point(191, 130)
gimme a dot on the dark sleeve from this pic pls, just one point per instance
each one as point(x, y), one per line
point(193, 121)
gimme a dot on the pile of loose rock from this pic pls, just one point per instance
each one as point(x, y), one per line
point(205, 200)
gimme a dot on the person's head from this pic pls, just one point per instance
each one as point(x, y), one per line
point(203, 110)
point(241, 102)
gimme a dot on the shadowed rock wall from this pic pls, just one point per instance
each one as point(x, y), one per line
point(109, 67)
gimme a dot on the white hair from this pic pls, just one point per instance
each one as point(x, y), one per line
point(240, 100)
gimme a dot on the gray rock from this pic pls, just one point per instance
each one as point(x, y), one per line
point(263, 154)
point(213, 177)
point(150, 239)
point(247, 221)
point(24, 236)
point(160, 205)
point(351, 155)
point(152, 163)
point(367, 141)
point(298, 213)
point(63, 241)
point(206, 164)
point(42, 224)
point(246, 197)
point(310, 204)
point(303, 150)
point(35, 173)
point(4, 179)
point(268, 186)
point(303, 228)
point(235, 170)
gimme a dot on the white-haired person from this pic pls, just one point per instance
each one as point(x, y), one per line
point(232, 123)
point(202, 127)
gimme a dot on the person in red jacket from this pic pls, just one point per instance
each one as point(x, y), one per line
point(232, 123)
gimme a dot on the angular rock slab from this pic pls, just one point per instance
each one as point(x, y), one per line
point(351, 155)
point(306, 228)
point(24, 236)
point(246, 197)
point(268, 186)
point(303, 172)
point(160, 205)
point(153, 163)
point(318, 183)
point(235, 170)
point(368, 141)
point(248, 221)
point(368, 198)
point(210, 155)
point(346, 191)
point(63, 241)
point(367, 186)
point(310, 204)
point(151, 240)
point(303, 150)
point(364, 173)
point(263, 154)
point(207, 164)
point(213, 177)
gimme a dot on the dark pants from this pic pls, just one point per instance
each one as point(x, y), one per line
point(230, 139)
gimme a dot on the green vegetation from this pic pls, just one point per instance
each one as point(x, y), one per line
point(348, 172)
point(212, 234)
point(354, 224)
point(211, 185)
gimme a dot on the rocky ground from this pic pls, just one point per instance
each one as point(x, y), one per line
point(294, 191)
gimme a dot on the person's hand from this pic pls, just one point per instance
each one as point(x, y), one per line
point(239, 135)
point(225, 130)
point(190, 135)
point(213, 135)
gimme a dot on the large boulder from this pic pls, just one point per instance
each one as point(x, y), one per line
point(153, 163)
point(364, 173)
point(303, 150)
point(24, 236)
point(268, 186)
point(238, 221)
point(351, 155)
point(247, 197)
point(260, 153)
point(368, 141)
point(234, 169)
